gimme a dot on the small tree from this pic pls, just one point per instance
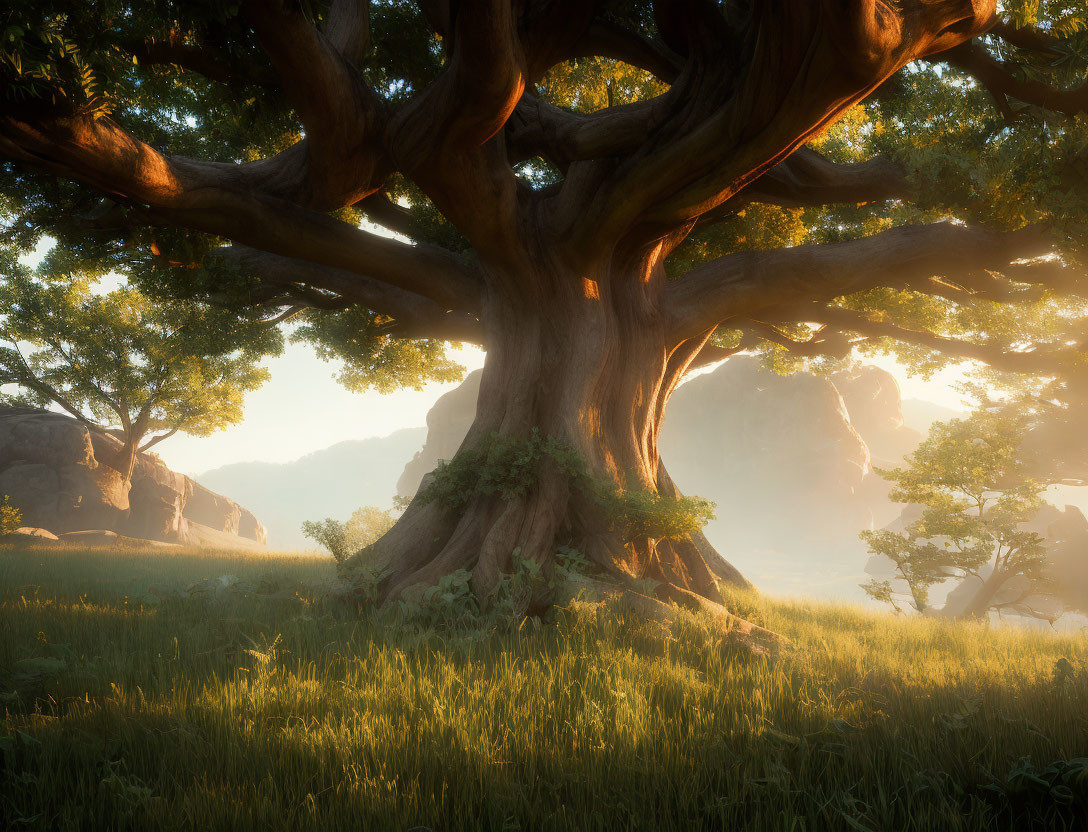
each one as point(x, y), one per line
point(976, 497)
point(120, 361)
point(343, 540)
point(10, 516)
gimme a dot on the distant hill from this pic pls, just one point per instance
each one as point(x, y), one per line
point(920, 414)
point(329, 483)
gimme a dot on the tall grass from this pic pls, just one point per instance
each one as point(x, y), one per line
point(280, 711)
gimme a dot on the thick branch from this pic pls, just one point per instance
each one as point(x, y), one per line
point(348, 28)
point(415, 316)
point(809, 178)
point(344, 119)
point(203, 61)
point(217, 199)
point(744, 285)
point(155, 440)
point(722, 133)
point(1039, 362)
point(472, 99)
point(1028, 38)
point(538, 128)
point(607, 40)
point(1001, 82)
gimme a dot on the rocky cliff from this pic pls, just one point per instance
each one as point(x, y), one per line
point(61, 476)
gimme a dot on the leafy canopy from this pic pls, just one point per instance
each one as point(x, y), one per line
point(119, 360)
point(975, 495)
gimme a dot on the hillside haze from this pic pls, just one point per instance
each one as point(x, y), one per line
point(332, 482)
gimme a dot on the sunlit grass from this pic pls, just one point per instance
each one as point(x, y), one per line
point(279, 712)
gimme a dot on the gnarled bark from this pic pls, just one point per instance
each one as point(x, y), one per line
point(595, 376)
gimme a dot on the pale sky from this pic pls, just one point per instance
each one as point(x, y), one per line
point(303, 409)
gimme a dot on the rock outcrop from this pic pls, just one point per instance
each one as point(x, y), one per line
point(875, 405)
point(62, 478)
point(448, 422)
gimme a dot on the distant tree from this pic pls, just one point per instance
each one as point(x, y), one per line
point(365, 526)
point(121, 363)
point(976, 496)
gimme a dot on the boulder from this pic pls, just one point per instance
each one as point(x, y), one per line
point(213, 510)
point(107, 539)
point(62, 477)
point(92, 537)
point(30, 536)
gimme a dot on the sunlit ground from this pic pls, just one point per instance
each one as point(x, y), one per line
point(132, 702)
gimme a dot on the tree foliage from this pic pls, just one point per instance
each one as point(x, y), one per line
point(119, 361)
point(975, 495)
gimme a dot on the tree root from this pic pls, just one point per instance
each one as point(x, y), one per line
point(749, 637)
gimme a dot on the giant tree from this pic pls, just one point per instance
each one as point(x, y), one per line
point(577, 186)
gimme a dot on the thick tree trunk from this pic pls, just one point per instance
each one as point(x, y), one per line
point(585, 362)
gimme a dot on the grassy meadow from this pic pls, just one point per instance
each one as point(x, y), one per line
point(131, 701)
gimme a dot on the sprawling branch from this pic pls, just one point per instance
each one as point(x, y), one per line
point(722, 132)
point(344, 119)
point(608, 40)
point(415, 315)
point(747, 284)
point(1002, 83)
point(476, 94)
point(560, 136)
point(1039, 362)
point(809, 178)
point(1027, 37)
point(172, 49)
point(822, 342)
point(218, 199)
point(348, 28)
point(692, 26)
